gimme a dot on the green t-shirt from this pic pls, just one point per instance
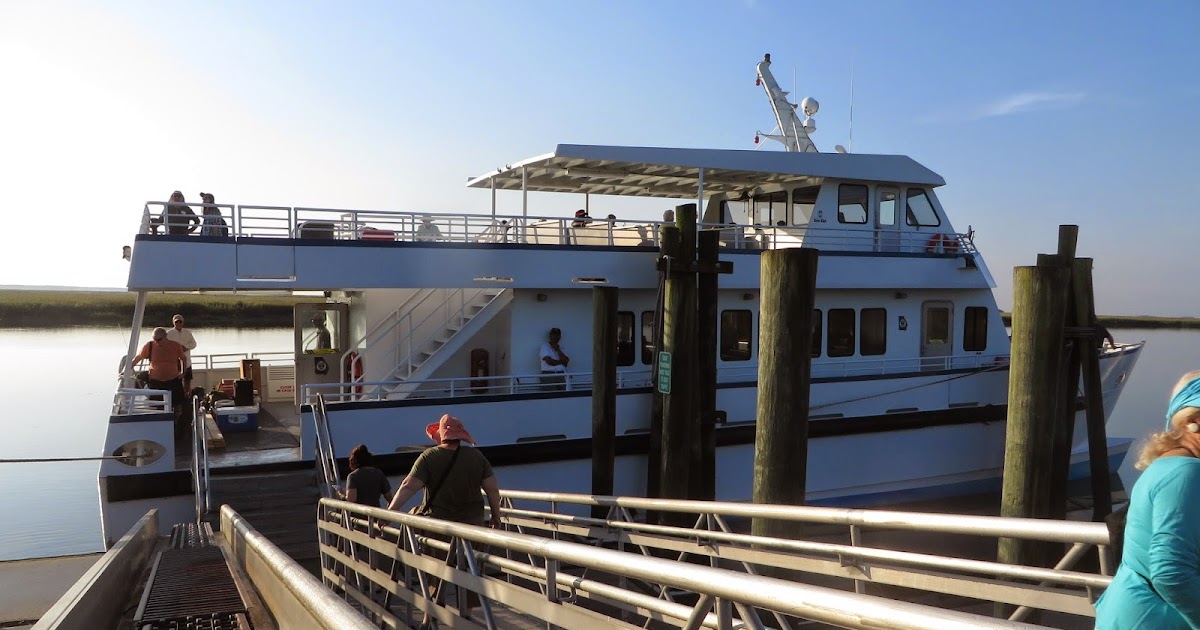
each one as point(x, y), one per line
point(458, 498)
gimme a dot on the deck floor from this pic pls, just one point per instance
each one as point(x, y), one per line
point(276, 441)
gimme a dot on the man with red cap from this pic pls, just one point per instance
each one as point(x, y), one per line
point(452, 475)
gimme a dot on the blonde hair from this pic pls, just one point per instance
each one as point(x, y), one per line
point(1163, 441)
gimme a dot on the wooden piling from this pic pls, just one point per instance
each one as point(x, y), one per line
point(1093, 396)
point(1039, 306)
point(604, 392)
point(679, 444)
point(788, 281)
point(668, 250)
point(706, 379)
point(1068, 378)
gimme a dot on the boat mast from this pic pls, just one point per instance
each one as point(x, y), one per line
point(795, 132)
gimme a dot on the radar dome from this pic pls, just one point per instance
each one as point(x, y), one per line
point(809, 105)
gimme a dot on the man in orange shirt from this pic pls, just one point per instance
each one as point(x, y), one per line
point(167, 359)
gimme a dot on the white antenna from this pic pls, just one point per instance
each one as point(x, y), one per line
point(851, 139)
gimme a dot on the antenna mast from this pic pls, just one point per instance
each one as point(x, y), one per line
point(794, 132)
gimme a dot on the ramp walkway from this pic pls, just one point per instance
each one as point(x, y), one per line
point(557, 566)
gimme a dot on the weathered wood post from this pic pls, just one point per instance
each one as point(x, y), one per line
point(1039, 305)
point(668, 251)
point(604, 392)
point(1068, 379)
point(788, 281)
point(679, 433)
point(706, 381)
point(1085, 311)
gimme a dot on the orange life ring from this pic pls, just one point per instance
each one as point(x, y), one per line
point(941, 243)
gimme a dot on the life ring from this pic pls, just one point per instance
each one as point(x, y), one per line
point(941, 244)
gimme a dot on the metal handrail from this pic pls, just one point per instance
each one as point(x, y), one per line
point(326, 457)
point(401, 536)
point(449, 316)
point(381, 328)
point(200, 460)
point(347, 224)
point(996, 526)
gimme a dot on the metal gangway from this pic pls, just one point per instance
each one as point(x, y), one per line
point(555, 565)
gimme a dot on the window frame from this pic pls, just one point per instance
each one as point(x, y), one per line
point(863, 203)
point(863, 337)
point(911, 217)
point(975, 328)
point(735, 354)
point(852, 340)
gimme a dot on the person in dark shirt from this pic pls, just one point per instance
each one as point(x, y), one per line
point(179, 217)
point(365, 484)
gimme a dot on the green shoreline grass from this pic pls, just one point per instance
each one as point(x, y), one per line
point(62, 309)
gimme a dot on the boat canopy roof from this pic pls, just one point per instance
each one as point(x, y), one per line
point(672, 172)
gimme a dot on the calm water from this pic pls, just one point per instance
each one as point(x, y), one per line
point(58, 388)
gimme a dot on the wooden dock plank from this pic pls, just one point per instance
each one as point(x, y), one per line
point(216, 439)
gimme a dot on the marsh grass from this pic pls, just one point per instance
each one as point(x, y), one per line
point(26, 309)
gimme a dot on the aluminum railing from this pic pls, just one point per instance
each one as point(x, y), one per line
point(463, 386)
point(715, 538)
point(128, 401)
point(373, 225)
point(326, 456)
point(200, 461)
point(386, 562)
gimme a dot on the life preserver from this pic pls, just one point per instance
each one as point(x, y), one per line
point(941, 243)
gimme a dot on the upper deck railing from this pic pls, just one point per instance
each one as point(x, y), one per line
point(378, 226)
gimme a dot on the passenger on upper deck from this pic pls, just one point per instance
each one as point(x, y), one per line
point(213, 224)
point(428, 231)
point(581, 218)
point(179, 218)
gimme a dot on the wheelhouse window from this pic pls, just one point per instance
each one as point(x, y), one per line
point(624, 338)
point(852, 203)
point(737, 331)
point(975, 329)
point(816, 333)
point(841, 332)
point(771, 208)
point(919, 209)
point(873, 340)
point(804, 200)
point(648, 340)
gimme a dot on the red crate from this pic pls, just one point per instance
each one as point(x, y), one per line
point(371, 234)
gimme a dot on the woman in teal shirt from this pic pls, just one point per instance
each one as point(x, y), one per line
point(1158, 583)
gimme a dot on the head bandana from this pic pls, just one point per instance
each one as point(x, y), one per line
point(448, 428)
point(1187, 396)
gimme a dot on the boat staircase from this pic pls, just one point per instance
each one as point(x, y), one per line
point(422, 333)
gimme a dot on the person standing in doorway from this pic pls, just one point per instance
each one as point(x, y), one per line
point(554, 362)
point(183, 336)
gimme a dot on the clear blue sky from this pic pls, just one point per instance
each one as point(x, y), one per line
point(1036, 113)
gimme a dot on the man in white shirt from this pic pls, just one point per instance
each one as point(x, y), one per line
point(554, 363)
point(183, 336)
point(428, 231)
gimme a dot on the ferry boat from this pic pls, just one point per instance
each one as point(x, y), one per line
point(424, 314)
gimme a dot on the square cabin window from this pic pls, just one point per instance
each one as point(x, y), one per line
point(841, 332)
point(737, 331)
point(873, 340)
point(624, 338)
point(648, 340)
point(919, 209)
point(852, 203)
point(816, 336)
point(804, 200)
point(975, 329)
